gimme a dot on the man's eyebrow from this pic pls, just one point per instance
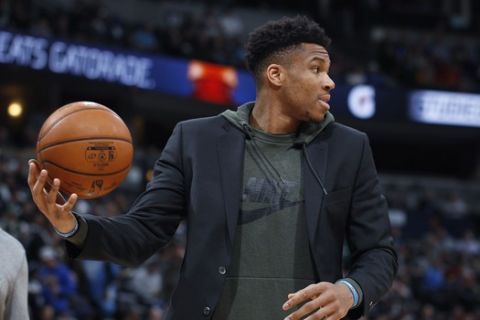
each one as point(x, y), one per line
point(325, 58)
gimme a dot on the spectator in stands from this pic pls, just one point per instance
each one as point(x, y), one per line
point(58, 285)
point(102, 287)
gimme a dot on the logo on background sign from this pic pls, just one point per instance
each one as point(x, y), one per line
point(361, 101)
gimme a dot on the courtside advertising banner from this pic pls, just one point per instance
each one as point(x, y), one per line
point(445, 108)
point(205, 81)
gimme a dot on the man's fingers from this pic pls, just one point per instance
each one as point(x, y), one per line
point(68, 206)
point(32, 174)
point(37, 164)
point(296, 298)
point(40, 183)
point(327, 313)
point(304, 310)
point(52, 194)
point(325, 302)
point(308, 293)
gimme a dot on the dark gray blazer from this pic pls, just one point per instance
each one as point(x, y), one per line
point(198, 178)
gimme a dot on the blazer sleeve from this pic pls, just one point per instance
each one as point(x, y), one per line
point(151, 221)
point(374, 260)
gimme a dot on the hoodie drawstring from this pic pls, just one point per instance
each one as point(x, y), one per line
point(304, 148)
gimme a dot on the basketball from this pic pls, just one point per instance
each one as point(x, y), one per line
point(87, 146)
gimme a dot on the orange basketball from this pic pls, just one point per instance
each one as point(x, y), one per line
point(87, 146)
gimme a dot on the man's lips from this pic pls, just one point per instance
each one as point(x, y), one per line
point(325, 98)
point(324, 101)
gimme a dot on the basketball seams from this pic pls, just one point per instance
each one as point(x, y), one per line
point(63, 117)
point(45, 147)
point(85, 173)
point(100, 108)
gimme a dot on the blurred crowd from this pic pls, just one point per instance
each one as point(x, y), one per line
point(211, 34)
point(436, 234)
point(435, 228)
point(438, 48)
point(425, 60)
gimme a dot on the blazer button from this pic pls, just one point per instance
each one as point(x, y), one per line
point(206, 311)
point(222, 270)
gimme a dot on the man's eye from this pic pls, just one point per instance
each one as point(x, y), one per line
point(316, 69)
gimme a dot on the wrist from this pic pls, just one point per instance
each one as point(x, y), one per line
point(352, 290)
point(68, 232)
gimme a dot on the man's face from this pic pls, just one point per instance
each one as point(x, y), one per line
point(307, 85)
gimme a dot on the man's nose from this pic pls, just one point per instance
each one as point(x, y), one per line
point(329, 84)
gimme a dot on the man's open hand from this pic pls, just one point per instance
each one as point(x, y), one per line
point(323, 300)
point(59, 215)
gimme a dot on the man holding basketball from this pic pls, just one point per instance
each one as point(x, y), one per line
point(270, 192)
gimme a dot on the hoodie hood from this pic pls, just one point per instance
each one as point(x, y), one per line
point(305, 134)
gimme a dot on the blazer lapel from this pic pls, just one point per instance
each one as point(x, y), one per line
point(313, 193)
point(230, 151)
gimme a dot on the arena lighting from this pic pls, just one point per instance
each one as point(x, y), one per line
point(15, 109)
point(447, 108)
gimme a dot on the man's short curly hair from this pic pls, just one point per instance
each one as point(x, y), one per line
point(278, 36)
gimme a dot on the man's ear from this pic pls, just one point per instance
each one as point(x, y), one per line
point(275, 74)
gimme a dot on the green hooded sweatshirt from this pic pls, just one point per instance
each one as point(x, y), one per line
point(271, 255)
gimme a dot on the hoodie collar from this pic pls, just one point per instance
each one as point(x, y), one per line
point(306, 132)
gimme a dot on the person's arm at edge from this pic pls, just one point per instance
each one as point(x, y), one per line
point(17, 305)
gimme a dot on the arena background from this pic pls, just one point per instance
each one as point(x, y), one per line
point(407, 73)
